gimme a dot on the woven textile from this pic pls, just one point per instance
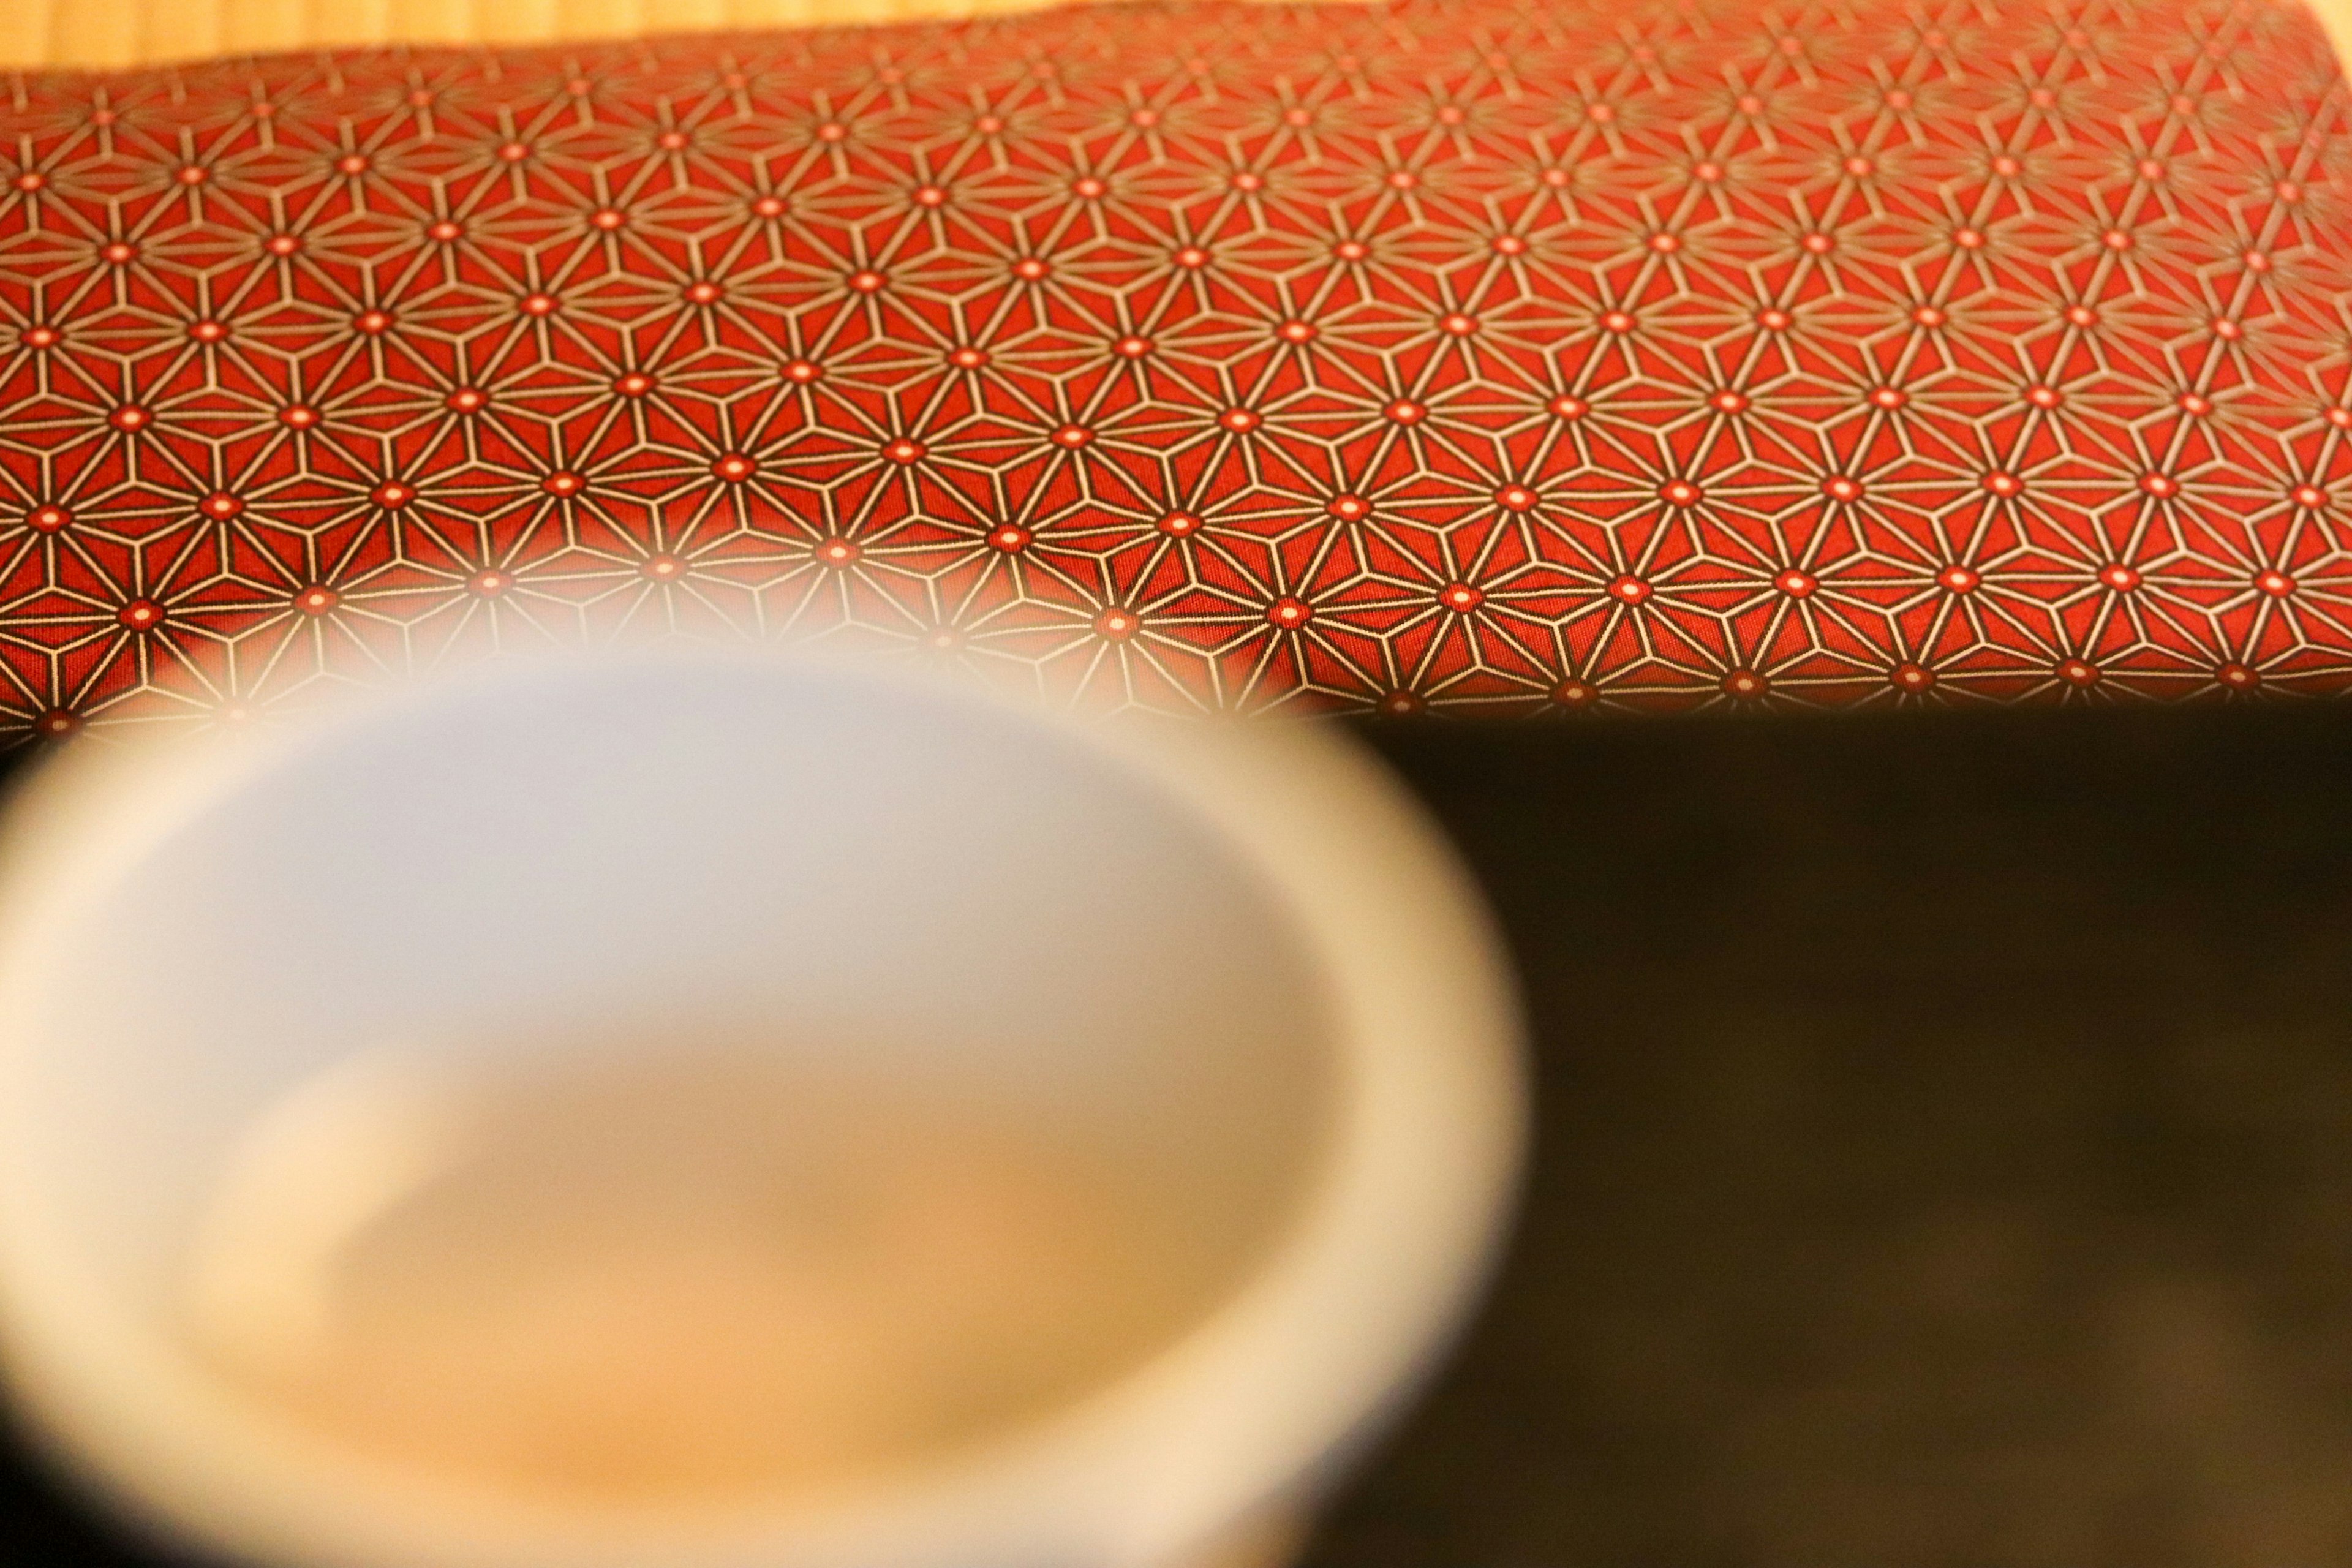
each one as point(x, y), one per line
point(1457, 352)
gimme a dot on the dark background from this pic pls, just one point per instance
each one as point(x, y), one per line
point(1945, 1155)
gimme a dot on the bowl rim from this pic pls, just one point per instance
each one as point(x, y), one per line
point(1251, 1410)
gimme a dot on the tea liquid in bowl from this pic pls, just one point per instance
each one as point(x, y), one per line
point(701, 1274)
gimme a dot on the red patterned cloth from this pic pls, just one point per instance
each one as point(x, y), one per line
point(1500, 354)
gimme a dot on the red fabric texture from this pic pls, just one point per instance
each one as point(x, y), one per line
point(1487, 354)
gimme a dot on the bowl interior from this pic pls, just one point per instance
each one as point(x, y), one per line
point(861, 872)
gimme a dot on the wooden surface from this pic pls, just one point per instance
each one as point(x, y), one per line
point(1943, 1152)
point(113, 34)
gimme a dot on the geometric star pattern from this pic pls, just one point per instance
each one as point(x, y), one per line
point(1500, 355)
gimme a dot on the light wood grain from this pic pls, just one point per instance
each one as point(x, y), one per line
point(113, 34)
point(109, 34)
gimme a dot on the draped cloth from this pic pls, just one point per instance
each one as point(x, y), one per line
point(1480, 354)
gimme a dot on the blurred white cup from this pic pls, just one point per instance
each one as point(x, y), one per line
point(1229, 943)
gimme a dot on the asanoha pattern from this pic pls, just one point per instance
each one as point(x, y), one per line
point(1491, 355)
